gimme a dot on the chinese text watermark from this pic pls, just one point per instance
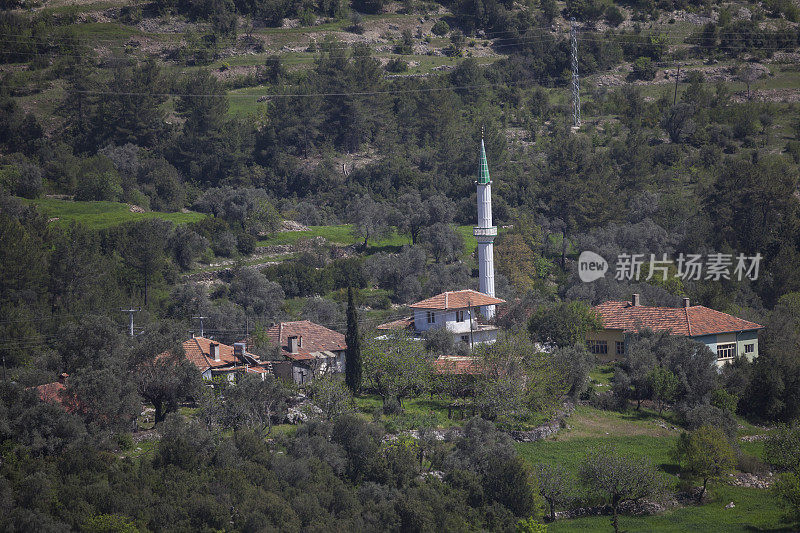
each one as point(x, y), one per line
point(644, 267)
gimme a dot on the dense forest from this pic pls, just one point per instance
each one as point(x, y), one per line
point(197, 116)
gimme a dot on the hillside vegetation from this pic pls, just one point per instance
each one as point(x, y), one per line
point(153, 156)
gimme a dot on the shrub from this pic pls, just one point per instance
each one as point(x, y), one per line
point(368, 6)
point(245, 243)
point(98, 186)
point(441, 28)
point(224, 244)
point(643, 69)
point(750, 464)
point(724, 400)
point(125, 441)
point(708, 415)
point(396, 65)
point(614, 16)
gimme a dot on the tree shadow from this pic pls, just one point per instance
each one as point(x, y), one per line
point(793, 528)
point(671, 469)
point(386, 248)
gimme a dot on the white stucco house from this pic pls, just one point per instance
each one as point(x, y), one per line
point(455, 311)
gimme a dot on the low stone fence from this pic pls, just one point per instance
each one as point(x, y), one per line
point(546, 430)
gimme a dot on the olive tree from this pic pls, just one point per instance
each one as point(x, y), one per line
point(782, 449)
point(618, 478)
point(394, 366)
point(705, 453)
point(332, 395)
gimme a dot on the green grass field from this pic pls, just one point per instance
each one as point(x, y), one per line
point(755, 510)
point(419, 411)
point(101, 215)
point(339, 234)
point(640, 435)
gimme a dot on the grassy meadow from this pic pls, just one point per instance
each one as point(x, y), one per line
point(102, 215)
point(640, 434)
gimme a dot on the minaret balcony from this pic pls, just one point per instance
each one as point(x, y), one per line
point(485, 232)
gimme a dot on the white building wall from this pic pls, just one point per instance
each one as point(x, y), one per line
point(442, 319)
point(478, 336)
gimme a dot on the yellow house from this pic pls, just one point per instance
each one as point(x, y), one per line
point(727, 336)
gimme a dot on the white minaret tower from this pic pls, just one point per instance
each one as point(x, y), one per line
point(485, 233)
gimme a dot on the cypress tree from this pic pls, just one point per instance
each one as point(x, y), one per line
point(353, 340)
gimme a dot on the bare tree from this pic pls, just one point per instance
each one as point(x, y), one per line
point(618, 478)
point(748, 75)
point(555, 485)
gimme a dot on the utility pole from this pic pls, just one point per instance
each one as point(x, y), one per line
point(576, 84)
point(677, 77)
point(130, 312)
point(200, 318)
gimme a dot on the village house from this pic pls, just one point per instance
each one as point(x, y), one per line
point(214, 359)
point(56, 393)
point(309, 350)
point(455, 311)
point(727, 336)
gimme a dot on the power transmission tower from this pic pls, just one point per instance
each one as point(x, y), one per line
point(130, 312)
point(200, 318)
point(576, 84)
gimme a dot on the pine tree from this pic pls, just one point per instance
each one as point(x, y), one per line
point(353, 340)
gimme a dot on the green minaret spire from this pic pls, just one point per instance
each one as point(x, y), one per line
point(483, 175)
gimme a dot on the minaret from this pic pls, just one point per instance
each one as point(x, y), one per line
point(485, 233)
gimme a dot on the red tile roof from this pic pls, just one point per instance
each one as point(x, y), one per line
point(267, 369)
point(705, 321)
point(56, 393)
point(52, 392)
point(315, 339)
point(458, 300)
point(457, 365)
point(690, 321)
point(198, 351)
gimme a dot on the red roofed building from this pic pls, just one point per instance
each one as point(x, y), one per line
point(727, 336)
point(310, 348)
point(458, 365)
point(457, 311)
point(56, 393)
point(215, 359)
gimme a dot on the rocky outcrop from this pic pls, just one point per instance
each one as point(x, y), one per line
point(637, 508)
point(751, 481)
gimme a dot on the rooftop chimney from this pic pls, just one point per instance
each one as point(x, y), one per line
point(686, 302)
point(238, 349)
point(294, 343)
point(635, 300)
point(214, 349)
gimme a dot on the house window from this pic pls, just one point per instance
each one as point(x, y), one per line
point(726, 351)
point(460, 316)
point(597, 347)
point(430, 316)
point(749, 348)
point(464, 338)
point(620, 345)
